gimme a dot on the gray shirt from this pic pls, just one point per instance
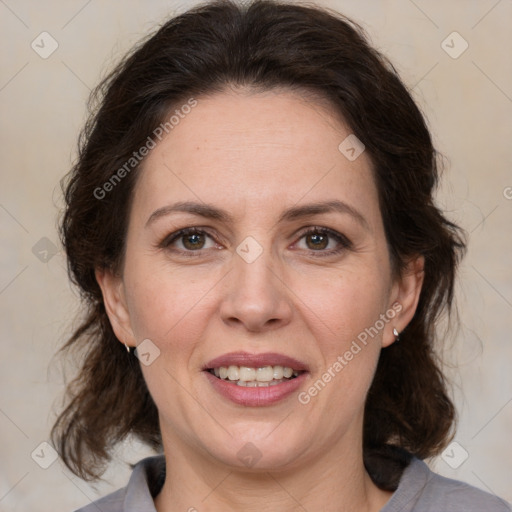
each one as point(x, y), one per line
point(419, 490)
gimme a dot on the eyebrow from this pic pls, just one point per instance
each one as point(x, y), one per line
point(294, 213)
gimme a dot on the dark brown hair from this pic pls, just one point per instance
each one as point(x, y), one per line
point(262, 45)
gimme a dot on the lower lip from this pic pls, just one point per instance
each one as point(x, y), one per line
point(256, 396)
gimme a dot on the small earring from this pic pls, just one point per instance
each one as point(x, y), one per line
point(127, 348)
point(396, 334)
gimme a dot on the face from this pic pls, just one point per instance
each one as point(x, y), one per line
point(284, 263)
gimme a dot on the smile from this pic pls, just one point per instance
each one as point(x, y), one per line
point(263, 376)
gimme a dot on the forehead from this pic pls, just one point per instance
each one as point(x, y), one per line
point(261, 150)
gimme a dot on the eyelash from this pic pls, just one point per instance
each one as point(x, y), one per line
point(345, 243)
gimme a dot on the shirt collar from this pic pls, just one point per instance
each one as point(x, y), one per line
point(145, 483)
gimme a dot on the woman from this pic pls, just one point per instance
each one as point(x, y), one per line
point(251, 216)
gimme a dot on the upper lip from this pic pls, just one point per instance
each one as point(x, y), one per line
point(255, 361)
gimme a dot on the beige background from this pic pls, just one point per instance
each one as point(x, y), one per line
point(468, 101)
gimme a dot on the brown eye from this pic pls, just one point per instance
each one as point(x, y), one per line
point(317, 241)
point(193, 241)
point(323, 241)
point(188, 240)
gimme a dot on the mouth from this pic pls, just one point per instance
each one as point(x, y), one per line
point(260, 377)
point(255, 379)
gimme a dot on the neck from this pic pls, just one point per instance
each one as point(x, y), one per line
point(335, 481)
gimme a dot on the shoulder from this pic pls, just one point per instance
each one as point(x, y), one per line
point(145, 482)
point(422, 490)
point(112, 503)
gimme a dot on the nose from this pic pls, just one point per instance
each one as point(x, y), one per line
point(256, 297)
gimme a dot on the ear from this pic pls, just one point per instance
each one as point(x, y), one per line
point(112, 288)
point(404, 297)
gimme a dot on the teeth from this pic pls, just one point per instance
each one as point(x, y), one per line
point(265, 374)
point(252, 377)
point(253, 384)
point(287, 372)
point(233, 373)
point(278, 372)
point(247, 374)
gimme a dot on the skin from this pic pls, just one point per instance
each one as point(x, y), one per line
point(255, 155)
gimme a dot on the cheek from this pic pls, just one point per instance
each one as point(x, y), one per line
point(341, 305)
point(166, 305)
point(343, 313)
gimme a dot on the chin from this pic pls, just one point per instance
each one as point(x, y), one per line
point(258, 452)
